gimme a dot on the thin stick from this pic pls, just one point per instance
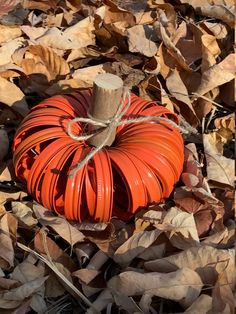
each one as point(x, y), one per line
point(59, 274)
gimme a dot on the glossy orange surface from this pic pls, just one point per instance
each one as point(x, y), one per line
point(140, 168)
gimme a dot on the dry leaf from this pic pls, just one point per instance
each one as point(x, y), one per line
point(140, 39)
point(25, 273)
point(222, 12)
point(7, 6)
point(180, 228)
point(77, 36)
point(7, 33)
point(205, 207)
point(42, 5)
point(7, 50)
point(7, 224)
point(183, 285)
point(44, 245)
point(14, 96)
point(219, 168)
point(86, 76)
point(42, 65)
point(202, 304)
point(208, 262)
point(222, 297)
point(135, 245)
point(61, 226)
point(33, 32)
point(24, 291)
point(24, 213)
point(4, 144)
point(179, 91)
point(217, 75)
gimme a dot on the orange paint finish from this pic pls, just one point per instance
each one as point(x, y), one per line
point(140, 168)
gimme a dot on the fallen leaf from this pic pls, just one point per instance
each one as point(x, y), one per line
point(24, 291)
point(205, 207)
point(202, 304)
point(14, 96)
point(179, 91)
point(222, 12)
point(61, 226)
point(210, 51)
point(140, 39)
point(4, 145)
point(7, 33)
point(219, 168)
point(42, 5)
point(33, 32)
point(26, 272)
point(208, 262)
point(7, 50)
point(77, 36)
point(46, 246)
point(8, 224)
point(222, 296)
point(24, 213)
point(160, 27)
point(183, 285)
point(135, 245)
point(86, 275)
point(41, 65)
point(86, 76)
point(7, 6)
point(180, 228)
point(217, 75)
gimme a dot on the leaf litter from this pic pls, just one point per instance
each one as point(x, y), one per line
point(173, 257)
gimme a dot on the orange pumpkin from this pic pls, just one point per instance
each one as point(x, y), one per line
point(140, 168)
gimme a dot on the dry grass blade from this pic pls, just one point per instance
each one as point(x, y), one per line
point(70, 286)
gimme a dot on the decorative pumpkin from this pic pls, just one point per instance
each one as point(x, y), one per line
point(141, 167)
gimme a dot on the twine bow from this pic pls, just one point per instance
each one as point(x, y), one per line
point(110, 124)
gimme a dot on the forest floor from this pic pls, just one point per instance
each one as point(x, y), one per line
point(176, 257)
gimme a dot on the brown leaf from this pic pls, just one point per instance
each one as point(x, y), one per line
point(208, 262)
point(61, 226)
point(210, 51)
point(76, 36)
point(24, 291)
point(202, 304)
point(26, 272)
point(24, 213)
point(180, 228)
point(42, 65)
point(205, 207)
point(179, 91)
point(160, 27)
point(86, 275)
point(223, 300)
point(219, 168)
point(217, 75)
point(45, 245)
point(8, 224)
point(135, 245)
point(183, 285)
point(14, 96)
point(222, 12)
point(42, 5)
point(7, 6)
point(139, 40)
point(7, 33)
point(4, 144)
point(7, 50)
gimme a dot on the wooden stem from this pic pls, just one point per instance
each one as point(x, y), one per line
point(107, 93)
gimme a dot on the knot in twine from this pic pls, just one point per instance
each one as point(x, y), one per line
point(110, 125)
